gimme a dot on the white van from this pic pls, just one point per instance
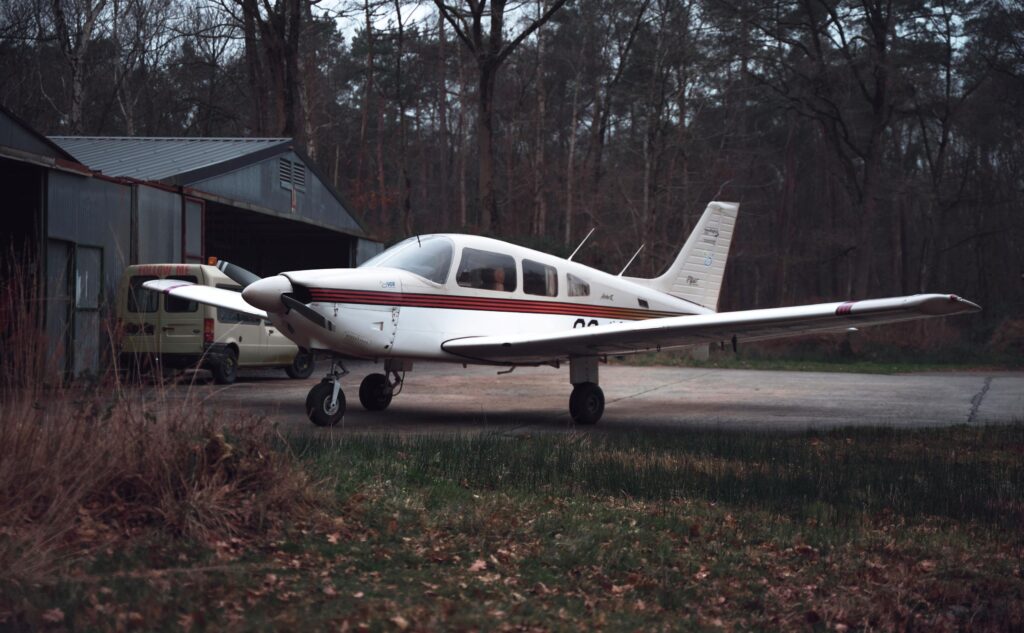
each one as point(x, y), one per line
point(177, 334)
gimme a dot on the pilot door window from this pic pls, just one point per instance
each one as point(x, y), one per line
point(487, 271)
point(539, 279)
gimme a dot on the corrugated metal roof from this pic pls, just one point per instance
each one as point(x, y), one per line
point(158, 158)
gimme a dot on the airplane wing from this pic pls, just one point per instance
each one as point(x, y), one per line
point(669, 332)
point(220, 297)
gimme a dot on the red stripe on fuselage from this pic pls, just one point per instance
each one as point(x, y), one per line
point(458, 302)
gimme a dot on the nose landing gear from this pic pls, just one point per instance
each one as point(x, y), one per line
point(325, 404)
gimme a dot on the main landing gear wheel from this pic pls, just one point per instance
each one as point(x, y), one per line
point(586, 404)
point(375, 392)
point(321, 407)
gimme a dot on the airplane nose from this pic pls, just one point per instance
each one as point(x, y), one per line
point(266, 293)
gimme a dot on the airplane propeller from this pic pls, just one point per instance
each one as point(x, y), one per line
point(237, 274)
point(294, 304)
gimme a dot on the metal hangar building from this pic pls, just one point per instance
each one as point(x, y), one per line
point(83, 208)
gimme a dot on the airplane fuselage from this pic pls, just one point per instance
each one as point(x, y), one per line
point(379, 311)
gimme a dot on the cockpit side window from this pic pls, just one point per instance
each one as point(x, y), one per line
point(577, 287)
point(429, 257)
point(539, 279)
point(486, 270)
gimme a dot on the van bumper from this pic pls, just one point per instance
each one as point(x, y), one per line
point(213, 354)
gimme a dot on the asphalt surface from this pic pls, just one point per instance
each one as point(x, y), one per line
point(440, 398)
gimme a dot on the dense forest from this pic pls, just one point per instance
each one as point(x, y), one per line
point(876, 146)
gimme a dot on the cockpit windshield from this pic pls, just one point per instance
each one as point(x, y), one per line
point(429, 257)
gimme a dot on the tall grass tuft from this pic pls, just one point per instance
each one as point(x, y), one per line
point(84, 464)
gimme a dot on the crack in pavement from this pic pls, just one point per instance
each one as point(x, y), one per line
point(977, 398)
point(658, 387)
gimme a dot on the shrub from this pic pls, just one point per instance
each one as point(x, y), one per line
point(83, 463)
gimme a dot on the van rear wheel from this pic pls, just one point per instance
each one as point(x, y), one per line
point(302, 366)
point(225, 370)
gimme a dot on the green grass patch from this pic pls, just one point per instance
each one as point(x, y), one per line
point(687, 530)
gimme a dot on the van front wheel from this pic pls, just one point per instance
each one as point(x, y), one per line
point(225, 370)
point(302, 366)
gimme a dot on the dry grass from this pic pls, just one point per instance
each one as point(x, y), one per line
point(84, 464)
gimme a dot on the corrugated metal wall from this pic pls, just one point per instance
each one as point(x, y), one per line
point(260, 184)
point(159, 226)
point(88, 245)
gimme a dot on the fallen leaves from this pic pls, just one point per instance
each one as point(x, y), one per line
point(478, 565)
point(53, 616)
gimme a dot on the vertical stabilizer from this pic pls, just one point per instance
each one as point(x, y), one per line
point(697, 272)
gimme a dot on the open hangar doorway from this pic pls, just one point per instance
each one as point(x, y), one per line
point(23, 185)
point(268, 244)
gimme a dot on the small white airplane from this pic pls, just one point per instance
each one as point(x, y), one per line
point(474, 300)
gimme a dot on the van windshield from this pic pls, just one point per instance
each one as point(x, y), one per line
point(429, 257)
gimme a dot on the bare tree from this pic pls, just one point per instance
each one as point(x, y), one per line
point(490, 51)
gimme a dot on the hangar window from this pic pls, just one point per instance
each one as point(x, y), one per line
point(177, 304)
point(88, 277)
point(140, 299)
point(577, 287)
point(539, 279)
point(487, 270)
point(292, 174)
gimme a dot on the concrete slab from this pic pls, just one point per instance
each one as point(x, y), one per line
point(440, 398)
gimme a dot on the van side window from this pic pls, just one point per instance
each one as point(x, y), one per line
point(539, 279)
point(486, 270)
point(577, 287)
point(177, 304)
point(141, 299)
point(224, 315)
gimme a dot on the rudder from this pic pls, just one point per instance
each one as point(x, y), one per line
point(696, 274)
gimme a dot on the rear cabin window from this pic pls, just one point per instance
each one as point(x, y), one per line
point(539, 279)
point(486, 270)
point(140, 299)
point(177, 304)
point(577, 287)
point(226, 315)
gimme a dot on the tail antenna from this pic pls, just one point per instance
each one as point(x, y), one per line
point(624, 268)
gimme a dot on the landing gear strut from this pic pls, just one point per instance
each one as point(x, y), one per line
point(325, 404)
point(586, 404)
point(377, 390)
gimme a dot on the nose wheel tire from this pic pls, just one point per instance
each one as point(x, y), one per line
point(375, 392)
point(319, 408)
point(586, 404)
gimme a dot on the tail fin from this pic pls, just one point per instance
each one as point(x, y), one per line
point(697, 272)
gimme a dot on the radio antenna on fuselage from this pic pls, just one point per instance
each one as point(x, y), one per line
point(632, 258)
point(581, 244)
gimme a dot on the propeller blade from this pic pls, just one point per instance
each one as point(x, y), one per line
point(294, 304)
point(237, 274)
